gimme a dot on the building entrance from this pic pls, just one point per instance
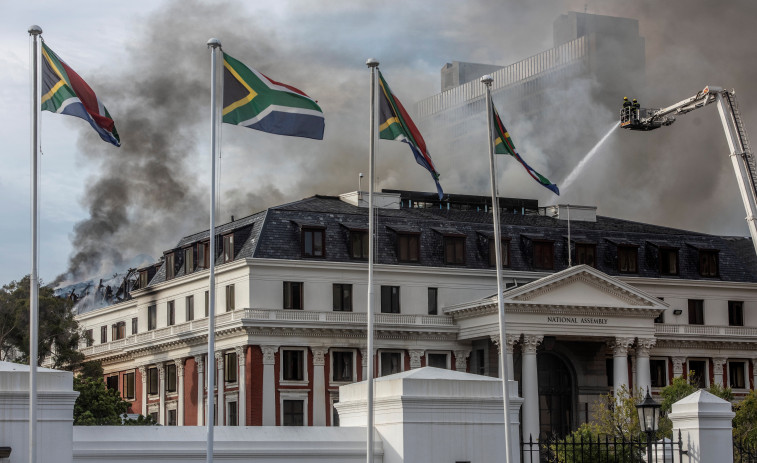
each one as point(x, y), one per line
point(556, 396)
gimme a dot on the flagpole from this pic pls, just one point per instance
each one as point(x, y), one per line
point(34, 31)
point(213, 44)
point(372, 64)
point(487, 81)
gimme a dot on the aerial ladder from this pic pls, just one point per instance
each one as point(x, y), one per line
point(742, 158)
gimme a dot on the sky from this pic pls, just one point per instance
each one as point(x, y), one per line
point(104, 208)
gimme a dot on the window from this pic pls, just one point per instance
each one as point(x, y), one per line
point(293, 365)
point(129, 386)
point(170, 378)
point(228, 247)
point(454, 250)
point(103, 334)
point(134, 325)
point(313, 242)
point(154, 416)
point(170, 313)
point(737, 375)
point(505, 253)
point(433, 294)
point(230, 298)
point(358, 244)
point(696, 312)
point(89, 337)
point(658, 373)
point(143, 279)
point(668, 261)
point(390, 299)
point(207, 303)
point(230, 367)
point(544, 255)
point(408, 247)
point(478, 362)
point(698, 371)
point(293, 295)
point(437, 360)
point(293, 413)
point(111, 382)
point(609, 371)
point(118, 330)
point(342, 366)
point(203, 254)
point(586, 254)
point(152, 380)
point(171, 417)
point(708, 263)
point(735, 313)
point(170, 265)
point(391, 363)
point(627, 259)
point(342, 297)
point(189, 264)
point(152, 317)
point(189, 302)
point(231, 416)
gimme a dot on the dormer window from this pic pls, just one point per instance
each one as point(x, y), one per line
point(203, 254)
point(668, 261)
point(708, 263)
point(408, 247)
point(170, 265)
point(505, 252)
point(586, 254)
point(358, 244)
point(143, 279)
point(454, 250)
point(313, 242)
point(544, 254)
point(189, 261)
point(228, 247)
point(628, 257)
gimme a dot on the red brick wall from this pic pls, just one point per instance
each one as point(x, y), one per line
point(254, 380)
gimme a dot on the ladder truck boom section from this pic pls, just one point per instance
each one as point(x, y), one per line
point(742, 158)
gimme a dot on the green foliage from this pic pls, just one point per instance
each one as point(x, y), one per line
point(58, 330)
point(99, 406)
point(745, 421)
point(91, 369)
point(617, 416)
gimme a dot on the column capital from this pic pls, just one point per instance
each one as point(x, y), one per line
point(269, 354)
point(620, 346)
point(461, 359)
point(161, 371)
point(643, 345)
point(717, 366)
point(364, 355)
point(200, 362)
point(511, 340)
point(142, 371)
point(415, 357)
point(219, 360)
point(179, 367)
point(531, 342)
point(319, 355)
point(678, 366)
point(240, 351)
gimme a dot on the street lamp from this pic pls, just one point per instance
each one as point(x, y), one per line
point(649, 419)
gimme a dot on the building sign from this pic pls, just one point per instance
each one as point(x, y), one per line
point(577, 320)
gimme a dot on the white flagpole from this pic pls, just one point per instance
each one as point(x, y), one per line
point(34, 31)
point(487, 81)
point(213, 44)
point(372, 64)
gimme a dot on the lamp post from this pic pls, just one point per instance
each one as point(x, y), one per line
point(649, 419)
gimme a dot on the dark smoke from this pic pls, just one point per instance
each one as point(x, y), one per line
point(155, 188)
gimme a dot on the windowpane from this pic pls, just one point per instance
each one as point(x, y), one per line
point(696, 312)
point(390, 299)
point(668, 261)
point(232, 418)
point(454, 250)
point(90, 339)
point(170, 266)
point(342, 366)
point(203, 249)
point(437, 360)
point(627, 258)
point(658, 373)
point(170, 313)
point(230, 302)
point(171, 418)
point(230, 367)
point(313, 242)
point(342, 297)
point(391, 362)
point(103, 334)
point(358, 244)
point(735, 313)
point(293, 295)
point(293, 413)
point(293, 365)
point(228, 248)
point(708, 263)
point(207, 303)
point(152, 380)
point(586, 254)
point(543, 255)
point(432, 301)
point(111, 382)
point(170, 377)
point(189, 265)
point(505, 253)
point(190, 303)
point(129, 386)
point(736, 375)
point(698, 369)
point(407, 248)
point(134, 325)
point(152, 317)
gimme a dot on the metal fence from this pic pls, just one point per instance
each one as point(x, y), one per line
point(606, 449)
point(744, 452)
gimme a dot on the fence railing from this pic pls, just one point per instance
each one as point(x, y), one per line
point(599, 449)
point(744, 452)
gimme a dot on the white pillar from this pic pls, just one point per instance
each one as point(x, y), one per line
point(319, 385)
point(162, 394)
point(678, 366)
point(415, 358)
point(180, 385)
point(221, 400)
point(705, 423)
point(531, 428)
point(200, 364)
point(620, 362)
point(364, 362)
point(143, 375)
point(269, 385)
point(643, 373)
point(511, 340)
point(242, 382)
point(717, 370)
point(461, 360)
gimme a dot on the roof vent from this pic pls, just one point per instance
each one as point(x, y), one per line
point(570, 211)
point(380, 200)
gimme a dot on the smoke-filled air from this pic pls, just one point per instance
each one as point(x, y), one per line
point(153, 190)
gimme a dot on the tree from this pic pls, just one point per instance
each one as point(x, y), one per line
point(745, 421)
point(58, 334)
point(683, 387)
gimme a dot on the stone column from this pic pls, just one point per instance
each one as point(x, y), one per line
point(242, 382)
point(200, 390)
point(678, 366)
point(143, 375)
point(461, 360)
point(415, 358)
point(717, 370)
point(364, 362)
point(269, 385)
point(220, 401)
point(162, 394)
point(180, 385)
point(530, 379)
point(643, 376)
point(511, 340)
point(319, 385)
point(620, 362)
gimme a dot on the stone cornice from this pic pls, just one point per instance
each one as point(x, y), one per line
point(555, 309)
point(593, 280)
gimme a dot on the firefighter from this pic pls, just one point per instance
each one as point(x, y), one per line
point(626, 103)
point(635, 106)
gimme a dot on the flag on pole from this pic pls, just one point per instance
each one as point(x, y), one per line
point(253, 100)
point(395, 124)
point(64, 92)
point(503, 144)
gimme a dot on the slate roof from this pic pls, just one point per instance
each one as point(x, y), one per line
point(276, 234)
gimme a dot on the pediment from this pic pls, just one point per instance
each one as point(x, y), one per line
point(581, 286)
